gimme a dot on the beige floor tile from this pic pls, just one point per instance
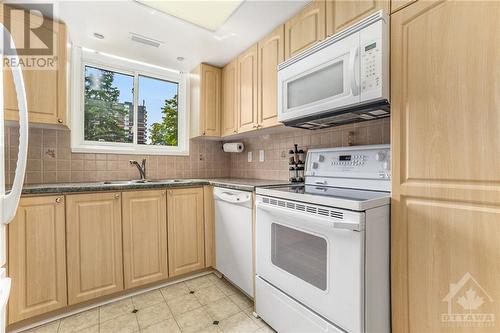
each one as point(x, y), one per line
point(91, 329)
point(239, 322)
point(153, 314)
point(194, 321)
point(183, 304)
point(258, 321)
point(47, 328)
point(265, 329)
point(222, 309)
point(209, 294)
point(123, 324)
point(213, 278)
point(79, 321)
point(115, 309)
point(198, 283)
point(241, 300)
point(166, 326)
point(210, 329)
point(174, 291)
point(226, 287)
point(147, 299)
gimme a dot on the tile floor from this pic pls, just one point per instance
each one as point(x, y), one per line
point(203, 304)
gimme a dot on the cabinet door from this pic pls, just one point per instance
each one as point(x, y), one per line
point(94, 245)
point(209, 225)
point(340, 14)
point(445, 164)
point(247, 90)
point(271, 53)
point(305, 29)
point(210, 100)
point(186, 248)
point(37, 258)
point(398, 4)
point(229, 103)
point(144, 237)
point(45, 88)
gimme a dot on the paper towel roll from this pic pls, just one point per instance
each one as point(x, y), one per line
point(235, 147)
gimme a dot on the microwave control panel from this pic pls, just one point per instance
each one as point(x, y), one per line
point(371, 66)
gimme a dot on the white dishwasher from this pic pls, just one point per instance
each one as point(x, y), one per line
point(233, 237)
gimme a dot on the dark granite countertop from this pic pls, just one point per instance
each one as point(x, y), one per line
point(232, 183)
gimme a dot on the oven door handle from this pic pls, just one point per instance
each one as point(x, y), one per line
point(345, 225)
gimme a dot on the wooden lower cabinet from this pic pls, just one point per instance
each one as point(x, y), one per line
point(94, 245)
point(186, 247)
point(37, 258)
point(445, 128)
point(144, 237)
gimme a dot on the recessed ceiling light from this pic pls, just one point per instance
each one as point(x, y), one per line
point(98, 35)
point(210, 15)
point(180, 58)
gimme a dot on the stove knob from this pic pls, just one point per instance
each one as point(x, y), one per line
point(386, 165)
point(321, 158)
point(380, 156)
point(315, 165)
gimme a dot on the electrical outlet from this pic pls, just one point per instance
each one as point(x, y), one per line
point(250, 157)
point(261, 155)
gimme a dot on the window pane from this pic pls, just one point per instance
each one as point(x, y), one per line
point(157, 112)
point(109, 110)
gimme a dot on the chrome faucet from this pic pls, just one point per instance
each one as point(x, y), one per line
point(141, 167)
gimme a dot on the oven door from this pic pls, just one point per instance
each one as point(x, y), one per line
point(321, 81)
point(317, 260)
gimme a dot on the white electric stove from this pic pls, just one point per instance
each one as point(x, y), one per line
point(322, 248)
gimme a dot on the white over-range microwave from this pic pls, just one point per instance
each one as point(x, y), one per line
point(343, 79)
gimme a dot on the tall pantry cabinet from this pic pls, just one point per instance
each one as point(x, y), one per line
point(445, 102)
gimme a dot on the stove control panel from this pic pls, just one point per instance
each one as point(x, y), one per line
point(360, 162)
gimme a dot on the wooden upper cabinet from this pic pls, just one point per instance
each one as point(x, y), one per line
point(37, 258)
point(94, 245)
point(229, 101)
point(247, 90)
point(445, 74)
point(144, 237)
point(305, 29)
point(205, 101)
point(271, 53)
point(186, 246)
point(45, 87)
point(399, 4)
point(340, 14)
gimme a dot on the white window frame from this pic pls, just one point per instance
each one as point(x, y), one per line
point(80, 59)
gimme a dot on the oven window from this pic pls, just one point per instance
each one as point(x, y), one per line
point(323, 83)
point(300, 254)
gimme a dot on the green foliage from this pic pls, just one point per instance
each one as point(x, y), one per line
point(166, 132)
point(105, 117)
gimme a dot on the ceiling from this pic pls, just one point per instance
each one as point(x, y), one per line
point(115, 20)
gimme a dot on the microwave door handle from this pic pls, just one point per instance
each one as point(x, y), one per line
point(352, 70)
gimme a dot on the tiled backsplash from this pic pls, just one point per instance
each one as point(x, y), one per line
point(50, 159)
point(276, 147)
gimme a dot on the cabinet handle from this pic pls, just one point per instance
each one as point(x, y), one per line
point(59, 200)
point(162, 193)
point(204, 133)
point(60, 121)
point(235, 131)
point(255, 126)
point(117, 196)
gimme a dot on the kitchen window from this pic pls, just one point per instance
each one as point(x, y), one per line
point(127, 107)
